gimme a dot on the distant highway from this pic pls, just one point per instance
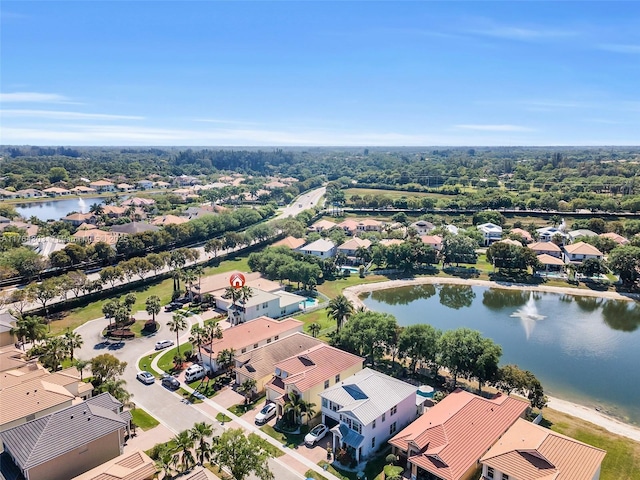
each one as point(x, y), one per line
point(303, 202)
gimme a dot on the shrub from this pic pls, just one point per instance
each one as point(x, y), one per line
point(150, 326)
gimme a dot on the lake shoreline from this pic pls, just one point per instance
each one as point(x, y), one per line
point(589, 414)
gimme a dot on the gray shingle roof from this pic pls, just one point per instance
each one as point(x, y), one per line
point(46, 438)
point(367, 394)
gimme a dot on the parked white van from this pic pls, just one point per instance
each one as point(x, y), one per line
point(194, 372)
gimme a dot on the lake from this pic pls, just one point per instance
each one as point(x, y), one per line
point(582, 349)
point(57, 209)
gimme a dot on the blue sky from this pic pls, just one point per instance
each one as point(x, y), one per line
point(320, 73)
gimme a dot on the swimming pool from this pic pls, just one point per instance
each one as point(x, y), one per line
point(350, 269)
point(308, 303)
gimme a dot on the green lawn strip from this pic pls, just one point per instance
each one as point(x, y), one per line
point(393, 194)
point(268, 447)
point(222, 418)
point(145, 363)
point(334, 288)
point(240, 409)
point(188, 396)
point(342, 474)
point(622, 461)
point(206, 389)
point(143, 420)
point(236, 263)
point(313, 474)
point(372, 470)
point(291, 440)
point(165, 363)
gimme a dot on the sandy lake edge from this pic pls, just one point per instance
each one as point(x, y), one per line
point(580, 411)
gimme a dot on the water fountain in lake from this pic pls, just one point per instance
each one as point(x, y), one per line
point(82, 205)
point(528, 315)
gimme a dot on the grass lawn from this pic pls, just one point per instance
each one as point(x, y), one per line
point(165, 364)
point(313, 474)
point(320, 316)
point(145, 363)
point(623, 455)
point(240, 409)
point(143, 420)
point(393, 194)
point(221, 417)
point(163, 289)
point(208, 390)
point(291, 440)
point(334, 288)
point(373, 469)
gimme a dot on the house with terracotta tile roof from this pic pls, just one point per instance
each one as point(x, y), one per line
point(434, 241)
point(619, 239)
point(551, 264)
point(351, 246)
point(11, 358)
point(309, 373)
point(77, 219)
point(528, 451)
point(168, 220)
point(387, 242)
point(422, 227)
point(138, 202)
point(56, 191)
point(7, 323)
point(258, 364)
point(321, 225)
point(135, 465)
point(246, 337)
point(447, 442)
point(290, 242)
point(526, 236)
point(547, 248)
point(369, 225)
point(581, 251)
point(103, 186)
point(82, 190)
point(349, 226)
point(33, 392)
point(68, 442)
point(365, 409)
point(94, 236)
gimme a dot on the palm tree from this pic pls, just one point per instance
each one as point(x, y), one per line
point(72, 341)
point(183, 444)
point(233, 294)
point(97, 209)
point(293, 408)
point(153, 305)
point(165, 460)
point(246, 292)
point(199, 434)
point(314, 328)
point(177, 324)
point(116, 388)
point(308, 410)
point(81, 365)
point(225, 358)
point(363, 254)
point(211, 332)
point(246, 389)
point(51, 352)
point(199, 271)
point(189, 277)
point(340, 309)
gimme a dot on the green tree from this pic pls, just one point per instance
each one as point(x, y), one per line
point(51, 352)
point(459, 351)
point(177, 324)
point(72, 341)
point(44, 292)
point(419, 342)
point(459, 249)
point(153, 306)
point(511, 378)
point(106, 367)
point(30, 329)
point(592, 267)
point(626, 262)
point(293, 408)
point(199, 433)
point(314, 329)
point(340, 309)
point(58, 174)
point(184, 442)
point(367, 333)
point(246, 388)
point(242, 455)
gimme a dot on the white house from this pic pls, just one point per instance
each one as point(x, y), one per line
point(320, 248)
point(423, 227)
point(491, 232)
point(580, 251)
point(262, 303)
point(364, 410)
point(546, 234)
point(144, 184)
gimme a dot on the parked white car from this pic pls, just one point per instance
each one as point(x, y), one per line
point(146, 378)
point(164, 344)
point(315, 434)
point(266, 414)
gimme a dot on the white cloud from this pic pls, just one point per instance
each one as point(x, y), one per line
point(60, 115)
point(33, 97)
point(620, 48)
point(494, 128)
point(512, 32)
point(223, 121)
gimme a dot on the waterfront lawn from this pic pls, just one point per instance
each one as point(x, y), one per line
point(143, 420)
point(327, 325)
point(622, 461)
point(335, 287)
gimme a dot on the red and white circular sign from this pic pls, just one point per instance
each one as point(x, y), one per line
point(237, 280)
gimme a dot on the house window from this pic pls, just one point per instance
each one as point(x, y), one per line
point(505, 476)
point(276, 337)
point(373, 442)
point(383, 416)
point(490, 472)
point(337, 378)
point(374, 424)
point(392, 428)
point(244, 350)
point(269, 340)
point(265, 305)
point(326, 384)
point(393, 410)
point(30, 417)
point(325, 402)
point(255, 345)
